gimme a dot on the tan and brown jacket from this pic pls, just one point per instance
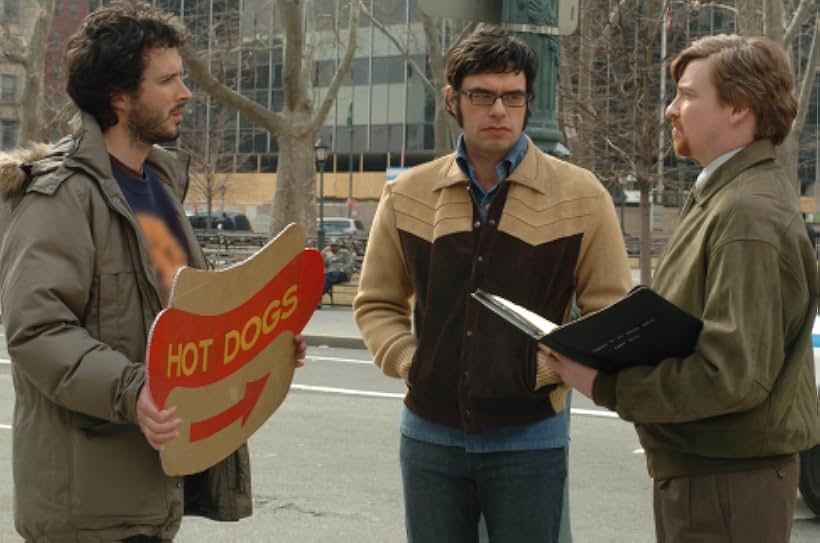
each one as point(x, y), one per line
point(78, 297)
point(551, 237)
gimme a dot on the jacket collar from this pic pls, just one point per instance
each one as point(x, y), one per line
point(526, 174)
point(753, 154)
point(91, 155)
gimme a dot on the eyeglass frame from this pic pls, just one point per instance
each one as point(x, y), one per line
point(505, 95)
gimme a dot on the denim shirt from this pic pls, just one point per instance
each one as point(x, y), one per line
point(503, 170)
point(549, 433)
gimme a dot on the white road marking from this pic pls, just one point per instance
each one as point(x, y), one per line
point(348, 391)
point(345, 360)
point(374, 394)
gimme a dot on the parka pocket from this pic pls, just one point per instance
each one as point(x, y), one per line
point(116, 312)
point(116, 477)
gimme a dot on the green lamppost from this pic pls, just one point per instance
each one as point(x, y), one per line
point(536, 22)
point(320, 150)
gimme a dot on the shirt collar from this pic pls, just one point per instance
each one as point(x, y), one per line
point(712, 167)
point(503, 169)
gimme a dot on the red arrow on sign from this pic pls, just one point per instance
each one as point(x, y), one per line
point(208, 427)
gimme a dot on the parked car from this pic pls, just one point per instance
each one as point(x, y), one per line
point(810, 459)
point(343, 226)
point(229, 221)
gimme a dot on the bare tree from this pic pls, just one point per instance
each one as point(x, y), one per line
point(297, 126)
point(610, 98)
point(30, 55)
point(210, 163)
point(437, 32)
point(782, 21)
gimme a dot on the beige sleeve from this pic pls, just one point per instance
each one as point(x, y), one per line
point(383, 304)
point(602, 273)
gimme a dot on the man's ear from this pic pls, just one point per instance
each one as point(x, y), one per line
point(740, 114)
point(450, 98)
point(120, 103)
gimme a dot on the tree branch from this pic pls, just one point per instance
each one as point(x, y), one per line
point(273, 122)
point(295, 90)
point(801, 14)
point(466, 31)
point(806, 85)
point(400, 46)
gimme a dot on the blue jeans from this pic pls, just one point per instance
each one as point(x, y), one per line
point(333, 278)
point(520, 493)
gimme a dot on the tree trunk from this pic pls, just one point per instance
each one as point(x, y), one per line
point(749, 18)
point(295, 182)
point(31, 122)
point(586, 61)
point(646, 238)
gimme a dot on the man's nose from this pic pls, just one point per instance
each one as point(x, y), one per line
point(671, 110)
point(185, 92)
point(498, 107)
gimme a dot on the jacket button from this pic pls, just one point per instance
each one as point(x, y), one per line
point(466, 375)
point(467, 412)
point(476, 224)
point(469, 333)
point(480, 258)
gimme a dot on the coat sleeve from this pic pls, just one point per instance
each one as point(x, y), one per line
point(383, 303)
point(602, 274)
point(739, 354)
point(47, 267)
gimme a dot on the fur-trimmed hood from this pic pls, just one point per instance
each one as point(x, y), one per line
point(83, 150)
point(15, 166)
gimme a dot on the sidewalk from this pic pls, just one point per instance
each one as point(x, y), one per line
point(333, 326)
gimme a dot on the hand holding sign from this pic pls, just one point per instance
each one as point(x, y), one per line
point(223, 352)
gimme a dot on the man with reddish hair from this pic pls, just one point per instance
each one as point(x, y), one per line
point(722, 427)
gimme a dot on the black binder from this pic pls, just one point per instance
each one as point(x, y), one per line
point(642, 328)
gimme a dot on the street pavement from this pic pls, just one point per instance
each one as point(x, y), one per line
point(325, 466)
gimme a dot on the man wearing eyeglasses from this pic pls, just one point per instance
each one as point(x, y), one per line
point(483, 426)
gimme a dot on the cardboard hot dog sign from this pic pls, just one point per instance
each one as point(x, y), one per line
point(222, 352)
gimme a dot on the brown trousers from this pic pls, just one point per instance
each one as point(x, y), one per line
point(741, 507)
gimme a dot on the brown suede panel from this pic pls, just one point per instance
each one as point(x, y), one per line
point(471, 369)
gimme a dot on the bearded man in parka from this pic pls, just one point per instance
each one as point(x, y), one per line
point(95, 235)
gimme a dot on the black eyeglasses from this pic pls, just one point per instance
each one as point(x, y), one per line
point(485, 98)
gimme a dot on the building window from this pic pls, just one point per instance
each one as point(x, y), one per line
point(11, 10)
point(8, 134)
point(8, 88)
point(325, 70)
point(388, 69)
point(360, 71)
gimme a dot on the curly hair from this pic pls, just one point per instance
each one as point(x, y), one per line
point(107, 55)
point(748, 72)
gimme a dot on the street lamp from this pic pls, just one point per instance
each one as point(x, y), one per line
point(320, 153)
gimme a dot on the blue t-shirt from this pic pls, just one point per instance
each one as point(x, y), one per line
point(158, 219)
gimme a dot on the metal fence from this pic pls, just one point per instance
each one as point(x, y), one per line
point(226, 248)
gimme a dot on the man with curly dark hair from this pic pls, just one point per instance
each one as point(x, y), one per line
point(96, 235)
